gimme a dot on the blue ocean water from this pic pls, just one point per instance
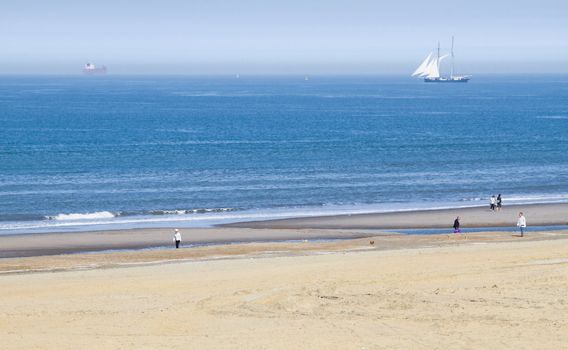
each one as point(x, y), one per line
point(87, 152)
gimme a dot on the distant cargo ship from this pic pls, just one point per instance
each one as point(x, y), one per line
point(430, 69)
point(90, 68)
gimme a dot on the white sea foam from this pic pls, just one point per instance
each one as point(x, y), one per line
point(84, 216)
point(550, 198)
point(524, 199)
point(472, 199)
point(190, 211)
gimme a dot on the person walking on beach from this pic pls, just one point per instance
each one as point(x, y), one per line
point(457, 225)
point(499, 202)
point(492, 201)
point(522, 223)
point(177, 238)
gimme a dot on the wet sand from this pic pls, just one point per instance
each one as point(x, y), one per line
point(67, 243)
point(133, 257)
point(536, 214)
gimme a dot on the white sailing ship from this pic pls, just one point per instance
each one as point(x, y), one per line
point(429, 70)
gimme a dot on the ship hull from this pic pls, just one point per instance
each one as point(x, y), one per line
point(447, 80)
point(94, 71)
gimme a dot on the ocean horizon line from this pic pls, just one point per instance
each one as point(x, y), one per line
point(272, 74)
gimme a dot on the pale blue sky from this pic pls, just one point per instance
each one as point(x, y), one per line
point(292, 36)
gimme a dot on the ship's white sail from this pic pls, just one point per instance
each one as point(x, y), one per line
point(433, 69)
point(421, 70)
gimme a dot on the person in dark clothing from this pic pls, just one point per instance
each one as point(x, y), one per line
point(457, 225)
point(499, 202)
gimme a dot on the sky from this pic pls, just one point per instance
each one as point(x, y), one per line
point(281, 37)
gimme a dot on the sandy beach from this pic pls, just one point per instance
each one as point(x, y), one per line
point(280, 288)
point(488, 291)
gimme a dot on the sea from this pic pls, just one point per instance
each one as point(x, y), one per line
point(115, 152)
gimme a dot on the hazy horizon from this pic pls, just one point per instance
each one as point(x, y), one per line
point(254, 37)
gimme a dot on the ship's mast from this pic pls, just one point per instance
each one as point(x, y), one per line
point(452, 71)
point(438, 59)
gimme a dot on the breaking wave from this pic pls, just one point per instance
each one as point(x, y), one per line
point(85, 216)
point(524, 199)
point(471, 199)
point(110, 215)
point(190, 211)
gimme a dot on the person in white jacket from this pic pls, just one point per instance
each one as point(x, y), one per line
point(522, 223)
point(177, 238)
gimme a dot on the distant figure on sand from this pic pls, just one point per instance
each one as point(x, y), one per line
point(492, 202)
point(499, 202)
point(522, 223)
point(177, 238)
point(457, 225)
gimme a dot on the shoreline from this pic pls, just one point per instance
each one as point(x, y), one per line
point(543, 214)
point(333, 227)
point(237, 217)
